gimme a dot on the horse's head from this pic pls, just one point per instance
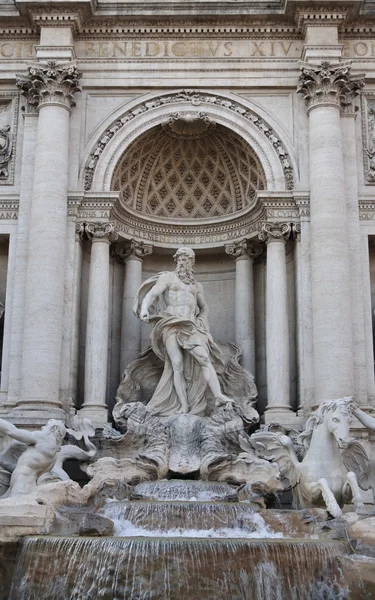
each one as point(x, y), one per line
point(337, 419)
point(335, 415)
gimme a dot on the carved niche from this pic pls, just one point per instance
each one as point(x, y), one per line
point(188, 168)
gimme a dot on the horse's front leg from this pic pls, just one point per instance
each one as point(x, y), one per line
point(321, 487)
point(351, 488)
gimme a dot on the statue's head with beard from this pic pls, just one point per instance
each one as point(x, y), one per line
point(185, 259)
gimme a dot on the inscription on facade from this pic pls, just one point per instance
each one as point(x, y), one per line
point(186, 49)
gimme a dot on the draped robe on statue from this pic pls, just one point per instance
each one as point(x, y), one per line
point(189, 334)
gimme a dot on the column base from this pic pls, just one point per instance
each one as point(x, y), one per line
point(34, 416)
point(282, 415)
point(98, 415)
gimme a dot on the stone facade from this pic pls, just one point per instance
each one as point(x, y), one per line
point(246, 132)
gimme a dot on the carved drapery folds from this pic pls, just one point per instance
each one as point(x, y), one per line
point(101, 232)
point(327, 83)
point(50, 83)
point(243, 248)
point(271, 232)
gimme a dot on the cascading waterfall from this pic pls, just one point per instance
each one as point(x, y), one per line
point(140, 569)
point(184, 550)
point(187, 519)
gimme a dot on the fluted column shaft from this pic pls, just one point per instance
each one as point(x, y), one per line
point(244, 254)
point(324, 86)
point(277, 327)
point(96, 355)
point(51, 87)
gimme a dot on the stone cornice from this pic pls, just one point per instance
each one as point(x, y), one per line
point(205, 233)
point(320, 16)
point(9, 208)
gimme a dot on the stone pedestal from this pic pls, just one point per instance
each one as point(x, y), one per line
point(277, 329)
point(244, 254)
point(323, 86)
point(51, 88)
point(132, 256)
point(96, 356)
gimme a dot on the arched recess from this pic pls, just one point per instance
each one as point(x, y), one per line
point(272, 149)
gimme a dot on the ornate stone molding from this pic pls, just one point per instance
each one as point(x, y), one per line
point(133, 248)
point(243, 249)
point(52, 83)
point(327, 83)
point(195, 98)
point(188, 125)
point(101, 232)
point(275, 232)
point(320, 16)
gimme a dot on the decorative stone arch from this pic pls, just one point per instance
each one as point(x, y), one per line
point(236, 114)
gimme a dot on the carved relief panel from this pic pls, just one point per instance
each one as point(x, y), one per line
point(8, 131)
point(368, 135)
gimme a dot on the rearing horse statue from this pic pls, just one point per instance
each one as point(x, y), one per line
point(326, 476)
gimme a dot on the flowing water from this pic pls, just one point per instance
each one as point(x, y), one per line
point(142, 569)
point(173, 546)
point(184, 519)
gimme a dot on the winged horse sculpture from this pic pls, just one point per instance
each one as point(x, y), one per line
point(326, 475)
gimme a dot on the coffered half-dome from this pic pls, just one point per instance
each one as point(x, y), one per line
point(188, 168)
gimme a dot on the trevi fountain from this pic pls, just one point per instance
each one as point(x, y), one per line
point(187, 300)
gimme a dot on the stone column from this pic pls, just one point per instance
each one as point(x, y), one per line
point(70, 340)
point(51, 89)
point(348, 131)
point(22, 246)
point(244, 254)
point(323, 86)
point(277, 330)
point(96, 356)
point(132, 255)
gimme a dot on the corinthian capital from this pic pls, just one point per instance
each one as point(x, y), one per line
point(135, 249)
point(275, 232)
point(242, 248)
point(50, 83)
point(328, 84)
point(101, 232)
